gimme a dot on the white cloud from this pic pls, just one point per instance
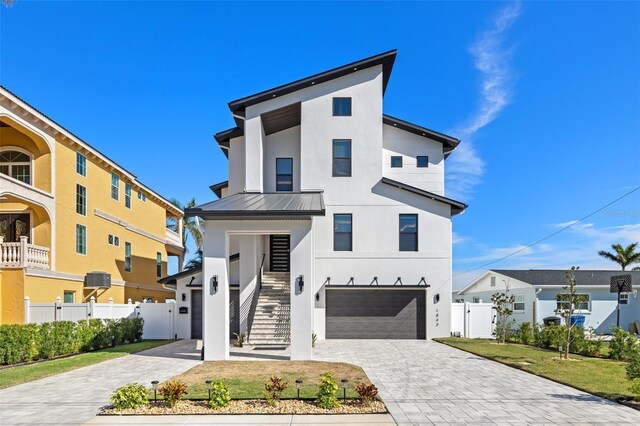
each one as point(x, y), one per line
point(491, 59)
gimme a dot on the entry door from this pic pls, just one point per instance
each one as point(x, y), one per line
point(196, 314)
point(280, 260)
point(13, 226)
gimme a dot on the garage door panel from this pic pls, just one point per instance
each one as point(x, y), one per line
point(375, 314)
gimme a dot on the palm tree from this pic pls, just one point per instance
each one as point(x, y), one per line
point(191, 226)
point(623, 256)
point(194, 262)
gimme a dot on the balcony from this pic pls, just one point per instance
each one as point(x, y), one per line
point(173, 238)
point(23, 255)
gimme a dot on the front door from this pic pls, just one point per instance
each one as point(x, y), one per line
point(196, 314)
point(13, 226)
point(280, 260)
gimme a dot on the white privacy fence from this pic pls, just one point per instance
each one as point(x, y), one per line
point(473, 320)
point(159, 318)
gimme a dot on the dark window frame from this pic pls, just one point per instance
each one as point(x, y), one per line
point(128, 257)
point(337, 111)
point(158, 264)
point(426, 157)
point(290, 175)
point(81, 200)
point(81, 239)
point(396, 157)
point(127, 195)
point(350, 233)
point(334, 158)
point(401, 233)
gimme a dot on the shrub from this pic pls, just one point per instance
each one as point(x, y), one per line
point(133, 395)
point(525, 333)
point(173, 391)
point(274, 389)
point(623, 346)
point(19, 343)
point(220, 395)
point(239, 340)
point(367, 392)
point(633, 368)
point(327, 393)
point(635, 388)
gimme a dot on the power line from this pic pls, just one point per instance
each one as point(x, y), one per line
point(550, 235)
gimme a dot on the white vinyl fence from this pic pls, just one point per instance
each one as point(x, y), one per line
point(159, 318)
point(473, 320)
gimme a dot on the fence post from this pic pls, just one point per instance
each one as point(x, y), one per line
point(58, 312)
point(129, 301)
point(111, 308)
point(466, 319)
point(27, 309)
point(92, 306)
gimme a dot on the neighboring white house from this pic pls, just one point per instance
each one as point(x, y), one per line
point(535, 294)
point(333, 221)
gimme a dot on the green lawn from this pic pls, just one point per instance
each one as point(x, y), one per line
point(246, 379)
point(603, 377)
point(11, 376)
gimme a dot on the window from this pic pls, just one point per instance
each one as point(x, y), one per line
point(518, 302)
point(69, 296)
point(113, 240)
point(341, 157)
point(127, 195)
point(81, 239)
point(341, 107)
point(17, 165)
point(475, 299)
point(147, 300)
point(396, 161)
point(422, 161)
point(284, 174)
point(158, 264)
point(624, 298)
point(141, 196)
point(115, 186)
point(81, 164)
point(493, 281)
point(81, 200)
point(408, 232)
point(127, 257)
point(342, 232)
point(582, 305)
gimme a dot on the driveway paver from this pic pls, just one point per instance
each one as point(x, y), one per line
point(74, 397)
point(424, 382)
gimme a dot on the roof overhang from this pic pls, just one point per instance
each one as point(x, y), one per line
point(449, 142)
point(218, 187)
point(172, 279)
point(457, 207)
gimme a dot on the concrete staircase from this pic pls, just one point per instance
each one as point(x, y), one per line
point(272, 319)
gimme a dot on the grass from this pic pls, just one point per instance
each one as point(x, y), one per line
point(11, 376)
point(598, 376)
point(247, 378)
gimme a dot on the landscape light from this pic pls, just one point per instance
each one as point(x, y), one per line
point(298, 386)
point(209, 382)
point(155, 390)
point(345, 383)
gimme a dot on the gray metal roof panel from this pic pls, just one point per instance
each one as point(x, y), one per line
point(553, 277)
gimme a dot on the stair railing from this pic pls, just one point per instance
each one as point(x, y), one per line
point(256, 294)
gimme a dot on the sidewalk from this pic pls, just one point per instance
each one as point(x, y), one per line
point(337, 419)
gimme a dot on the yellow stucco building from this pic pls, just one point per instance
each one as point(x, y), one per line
point(67, 210)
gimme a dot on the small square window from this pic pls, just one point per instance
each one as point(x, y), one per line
point(69, 297)
point(141, 196)
point(110, 239)
point(624, 298)
point(341, 107)
point(116, 241)
point(396, 161)
point(518, 302)
point(422, 161)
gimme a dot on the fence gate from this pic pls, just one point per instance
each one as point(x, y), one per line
point(159, 320)
point(473, 320)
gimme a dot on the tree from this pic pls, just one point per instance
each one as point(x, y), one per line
point(567, 306)
point(7, 2)
point(503, 303)
point(194, 262)
point(191, 226)
point(623, 256)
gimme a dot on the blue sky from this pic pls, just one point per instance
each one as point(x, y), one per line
point(545, 95)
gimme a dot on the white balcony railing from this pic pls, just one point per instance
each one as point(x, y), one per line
point(173, 238)
point(23, 255)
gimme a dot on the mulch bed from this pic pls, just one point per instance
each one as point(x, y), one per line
point(249, 406)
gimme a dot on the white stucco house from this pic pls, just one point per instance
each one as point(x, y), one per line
point(535, 295)
point(333, 220)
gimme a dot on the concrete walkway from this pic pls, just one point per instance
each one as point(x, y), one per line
point(74, 397)
point(424, 382)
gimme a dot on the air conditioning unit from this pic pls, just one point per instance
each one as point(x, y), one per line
point(98, 280)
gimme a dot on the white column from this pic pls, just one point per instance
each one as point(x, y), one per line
point(215, 312)
point(92, 307)
point(27, 309)
point(253, 137)
point(248, 277)
point(58, 309)
point(302, 300)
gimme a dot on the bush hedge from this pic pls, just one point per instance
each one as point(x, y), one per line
point(552, 336)
point(31, 342)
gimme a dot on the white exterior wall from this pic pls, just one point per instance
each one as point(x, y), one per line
point(183, 321)
point(409, 146)
point(284, 144)
point(236, 167)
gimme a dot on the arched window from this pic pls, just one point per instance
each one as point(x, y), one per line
point(16, 164)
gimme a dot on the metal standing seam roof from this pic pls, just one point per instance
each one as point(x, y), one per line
point(554, 277)
point(255, 205)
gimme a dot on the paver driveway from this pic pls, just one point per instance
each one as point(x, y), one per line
point(74, 397)
point(426, 382)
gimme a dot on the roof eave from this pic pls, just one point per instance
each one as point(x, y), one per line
point(457, 207)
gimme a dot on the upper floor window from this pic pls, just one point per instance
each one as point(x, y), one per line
point(422, 161)
point(396, 161)
point(342, 232)
point(115, 186)
point(408, 232)
point(127, 195)
point(142, 196)
point(81, 164)
point(127, 257)
point(284, 174)
point(341, 107)
point(624, 298)
point(342, 157)
point(81, 200)
point(158, 264)
point(81, 239)
point(16, 164)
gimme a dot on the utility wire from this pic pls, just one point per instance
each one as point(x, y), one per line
point(550, 235)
